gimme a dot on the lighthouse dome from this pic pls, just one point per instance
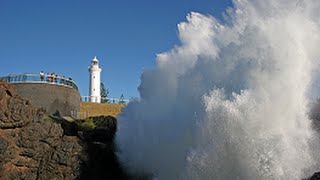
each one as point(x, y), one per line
point(95, 61)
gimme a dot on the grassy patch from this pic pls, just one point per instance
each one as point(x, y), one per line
point(52, 119)
point(87, 124)
point(89, 109)
point(84, 125)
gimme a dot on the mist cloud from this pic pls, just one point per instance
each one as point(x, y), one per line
point(231, 101)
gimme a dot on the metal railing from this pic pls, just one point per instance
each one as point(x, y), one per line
point(106, 100)
point(79, 115)
point(36, 78)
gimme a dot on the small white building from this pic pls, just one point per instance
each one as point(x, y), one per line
point(94, 83)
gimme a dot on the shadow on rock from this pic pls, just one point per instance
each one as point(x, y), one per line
point(101, 161)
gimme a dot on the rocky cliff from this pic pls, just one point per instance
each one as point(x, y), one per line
point(34, 146)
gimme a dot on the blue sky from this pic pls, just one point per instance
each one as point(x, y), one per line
point(62, 36)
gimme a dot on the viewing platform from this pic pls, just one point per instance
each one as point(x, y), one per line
point(57, 94)
point(52, 92)
point(36, 78)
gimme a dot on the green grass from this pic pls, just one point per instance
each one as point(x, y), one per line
point(86, 124)
point(52, 119)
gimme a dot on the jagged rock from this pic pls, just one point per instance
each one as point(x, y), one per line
point(62, 161)
point(14, 111)
point(31, 147)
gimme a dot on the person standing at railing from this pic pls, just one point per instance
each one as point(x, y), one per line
point(48, 77)
point(41, 75)
point(52, 77)
point(63, 80)
point(56, 78)
point(70, 81)
point(24, 78)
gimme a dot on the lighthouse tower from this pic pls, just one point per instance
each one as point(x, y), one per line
point(94, 90)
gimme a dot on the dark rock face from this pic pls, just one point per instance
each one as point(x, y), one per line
point(102, 162)
point(31, 147)
point(315, 176)
point(314, 114)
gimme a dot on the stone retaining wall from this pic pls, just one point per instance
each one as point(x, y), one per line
point(50, 96)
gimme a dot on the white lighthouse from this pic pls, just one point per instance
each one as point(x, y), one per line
point(94, 90)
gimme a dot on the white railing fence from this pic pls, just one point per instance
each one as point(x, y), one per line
point(105, 100)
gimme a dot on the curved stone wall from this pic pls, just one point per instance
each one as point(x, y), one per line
point(52, 97)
